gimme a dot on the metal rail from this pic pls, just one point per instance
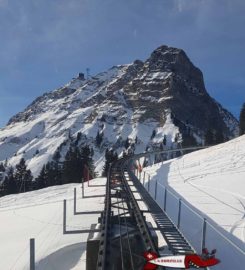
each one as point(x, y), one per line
point(127, 207)
point(141, 222)
point(105, 227)
point(120, 197)
point(173, 237)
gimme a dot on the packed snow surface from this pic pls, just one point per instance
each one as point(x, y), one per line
point(211, 184)
point(39, 215)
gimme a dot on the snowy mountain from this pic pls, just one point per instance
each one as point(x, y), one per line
point(142, 101)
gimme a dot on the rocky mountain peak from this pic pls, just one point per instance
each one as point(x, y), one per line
point(164, 95)
point(175, 60)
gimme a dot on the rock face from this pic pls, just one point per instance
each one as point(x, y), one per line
point(166, 93)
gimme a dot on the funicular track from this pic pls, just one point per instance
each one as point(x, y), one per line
point(125, 233)
point(176, 242)
point(121, 221)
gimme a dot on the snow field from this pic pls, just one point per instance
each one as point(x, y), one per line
point(211, 184)
point(39, 215)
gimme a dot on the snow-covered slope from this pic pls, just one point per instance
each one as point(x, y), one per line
point(212, 183)
point(39, 215)
point(132, 100)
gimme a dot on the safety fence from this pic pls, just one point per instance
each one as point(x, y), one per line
point(198, 230)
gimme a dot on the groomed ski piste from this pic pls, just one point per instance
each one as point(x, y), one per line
point(210, 183)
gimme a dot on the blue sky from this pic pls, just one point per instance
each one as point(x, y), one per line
point(45, 43)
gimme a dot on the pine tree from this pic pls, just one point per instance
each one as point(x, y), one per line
point(99, 138)
point(127, 143)
point(87, 154)
point(49, 175)
point(177, 138)
point(73, 166)
point(6, 163)
point(164, 140)
point(2, 168)
point(92, 151)
point(153, 134)
point(41, 180)
point(189, 140)
point(209, 137)
point(23, 176)
point(219, 137)
point(110, 156)
point(56, 156)
point(53, 174)
point(10, 182)
point(68, 167)
point(79, 136)
point(103, 118)
point(242, 120)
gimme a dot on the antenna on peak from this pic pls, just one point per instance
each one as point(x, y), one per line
point(88, 73)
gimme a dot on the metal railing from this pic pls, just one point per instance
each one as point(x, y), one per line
point(178, 210)
point(182, 202)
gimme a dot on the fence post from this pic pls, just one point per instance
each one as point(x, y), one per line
point(88, 176)
point(148, 186)
point(32, 254)
point(179, 214)
point(83, 188)
point(64, 217)
point(165, 199)
point(75, 201)
point(156, 189)
point(204, 226)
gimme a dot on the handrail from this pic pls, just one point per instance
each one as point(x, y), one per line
point(141, 222)
point(197, 214)
point(136, 156)
point(207, 221)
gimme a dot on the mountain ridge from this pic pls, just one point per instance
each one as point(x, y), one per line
point(165, 93)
